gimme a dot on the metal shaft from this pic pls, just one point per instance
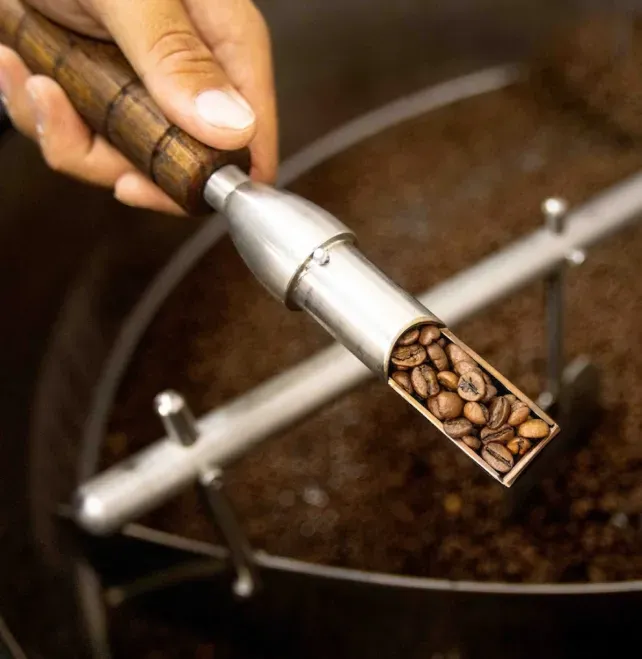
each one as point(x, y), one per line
point(181, 427)
point(554, 213)
point(223, 516)
point(153, 476)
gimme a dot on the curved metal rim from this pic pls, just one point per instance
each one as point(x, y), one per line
point(190, 253)
point(279, 563)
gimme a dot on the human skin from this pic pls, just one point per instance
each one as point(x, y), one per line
point(206, 63)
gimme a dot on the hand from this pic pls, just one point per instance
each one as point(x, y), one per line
point(207, 63)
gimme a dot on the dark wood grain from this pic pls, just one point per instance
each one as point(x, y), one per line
point(107, 93)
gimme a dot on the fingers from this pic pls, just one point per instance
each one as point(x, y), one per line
point(40, 110)
point(69, 147)
point(67, 144)
point(77, 15)
point(179, 70)
point(13, 76)
point(237, 33)
point(133, 189)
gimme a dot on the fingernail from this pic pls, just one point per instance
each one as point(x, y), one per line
point(36, 107)
point(224, 109)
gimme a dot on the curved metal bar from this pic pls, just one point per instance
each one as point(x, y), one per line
point(213, 555)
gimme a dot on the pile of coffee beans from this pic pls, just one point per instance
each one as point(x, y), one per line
point(467, 401)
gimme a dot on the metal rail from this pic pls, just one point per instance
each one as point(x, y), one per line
point(154, 475)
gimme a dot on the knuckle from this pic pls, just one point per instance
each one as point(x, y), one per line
point(56, 160)
point(180, 52)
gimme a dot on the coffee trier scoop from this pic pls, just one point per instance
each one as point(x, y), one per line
point(304, 256)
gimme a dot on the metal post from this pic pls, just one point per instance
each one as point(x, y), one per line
point(181, 427)
point(554, 210)
point(224, 516)
point(177, 418)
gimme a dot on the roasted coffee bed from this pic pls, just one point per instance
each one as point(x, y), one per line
point(367, 482)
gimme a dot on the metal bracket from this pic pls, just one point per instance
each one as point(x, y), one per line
point(180, 425)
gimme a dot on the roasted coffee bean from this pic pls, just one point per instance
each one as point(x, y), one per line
point(511, 398)
point(519, 446)
point(424, 381)
point(437, 356)
point(442, 342)
point(465, 366)
point(456, 354)
point(498, 412)
point(403, 380)
point(408, 338)
point(491, 392)
point(448, 379)
point(471, 385)
point(500, 435)
point(472, 442)
point(498, 457)
point(458, 428)
point(519, 412)
point(487, 379)
point(428, 334)
point(409, 356)
point(533, 429)
point(476, 413)
point(446, 405)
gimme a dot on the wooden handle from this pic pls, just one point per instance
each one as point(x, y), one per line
point(105, 90)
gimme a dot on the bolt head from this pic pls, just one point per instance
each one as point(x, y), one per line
point(243, 586)
point(168, 403)
point(320, 256)
point(576, 257)
point(555, 206)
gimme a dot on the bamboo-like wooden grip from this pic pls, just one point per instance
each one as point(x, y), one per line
point(106, 91)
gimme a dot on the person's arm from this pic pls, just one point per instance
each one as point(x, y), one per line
point(207, 63)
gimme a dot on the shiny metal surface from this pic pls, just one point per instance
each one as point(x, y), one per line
point(275, 232)
point(555, 210)
point(148, 479)
point(306, 258)
point(221, 185)
point(176, 417)
point(358, 304)
point(224, 517)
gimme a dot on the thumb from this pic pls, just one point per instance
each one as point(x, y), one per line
point(179, 71)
